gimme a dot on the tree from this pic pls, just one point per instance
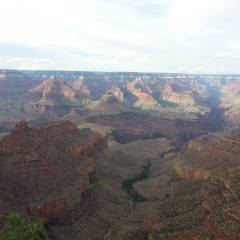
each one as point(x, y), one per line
point(17, 229)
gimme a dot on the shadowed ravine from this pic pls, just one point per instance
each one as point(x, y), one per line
point(128, 183)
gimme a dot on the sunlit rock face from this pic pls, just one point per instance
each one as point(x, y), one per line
point(230, 102)
point(93, 86)
point(53, 88)
point(117, 93)
point(144, 98)
point(53, 98)
point(180, 98)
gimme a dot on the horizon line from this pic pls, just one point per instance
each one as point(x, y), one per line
point(133, 72)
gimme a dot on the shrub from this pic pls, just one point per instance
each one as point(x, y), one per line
point(17, 229)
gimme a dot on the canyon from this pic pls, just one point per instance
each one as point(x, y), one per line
point(122, 156)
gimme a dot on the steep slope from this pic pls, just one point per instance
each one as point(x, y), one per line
point(112, 102)
point(47, 172)
point(193, 194)
point(131, 126)
point(230, 102)
point(54, 97)
point(95, 87)
point(185, 98)
point(204, 200)
point(13, 84)
point(55, 90)
point(179, 98)
point(140, 89)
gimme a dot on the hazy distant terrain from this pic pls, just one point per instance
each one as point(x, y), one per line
point(43, 96)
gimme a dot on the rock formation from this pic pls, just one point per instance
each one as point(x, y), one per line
point(13, 85)
point(179, 98)
point(204, 203)
point(54, 98)
point(230, 102)
point(48, 171)
point(130, 126)
point(54, 89)
point(145, 99)
point(115, 91)
point(75, 178)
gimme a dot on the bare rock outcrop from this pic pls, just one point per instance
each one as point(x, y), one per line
point(48, 171)
point(179, 98)
point(145, 99)
point(195, 146)
point(117, 92)
point(13, 85)
point(190, 173)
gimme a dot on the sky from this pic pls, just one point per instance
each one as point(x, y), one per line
point(190, 36)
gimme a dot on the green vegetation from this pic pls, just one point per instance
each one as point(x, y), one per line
point(128, 183)
point(16, 228)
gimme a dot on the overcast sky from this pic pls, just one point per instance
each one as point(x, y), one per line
point(198, 36)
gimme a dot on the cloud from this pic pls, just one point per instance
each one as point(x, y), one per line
point(121, 35)
point(29, 63)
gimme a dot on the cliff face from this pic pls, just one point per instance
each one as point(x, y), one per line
point(179, 98)
point(117, 93)
point(53, 98)
point(193, 169)
point(13, 85)
point(93, 87)
point(230, 103)
point(144, 98)
point(79, 85)
point(195, 146)
point(54, 89)
point(48, 171)
point(213, 153)
point(130, 126)
point(190, 173)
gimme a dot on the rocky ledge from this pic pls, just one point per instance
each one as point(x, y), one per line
point(49, 171)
